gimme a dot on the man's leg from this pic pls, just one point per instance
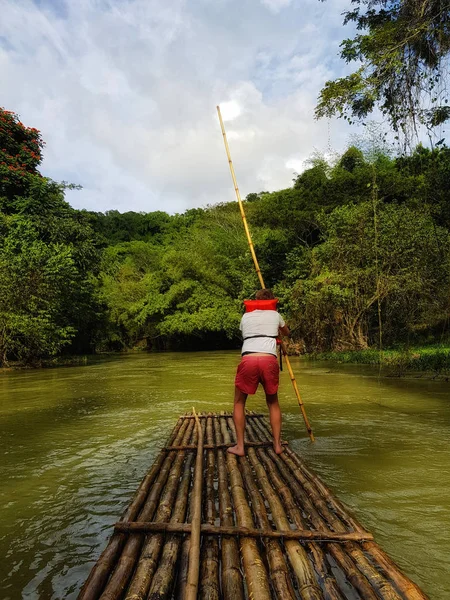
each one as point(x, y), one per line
point(239, 421)
point(275, 421)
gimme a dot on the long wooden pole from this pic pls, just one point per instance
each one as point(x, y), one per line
point(260, 277)
point(209, 574)
point(232, 583)
point(194, 550)
point(241, 206)
point(175, 527)
point(258, 586)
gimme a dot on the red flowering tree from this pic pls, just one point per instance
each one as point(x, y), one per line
point(20, 155)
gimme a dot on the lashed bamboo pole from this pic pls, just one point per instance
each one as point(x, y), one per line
point(194, 550)
point(377, 581)
point(225, 415)
point(184, 560)
point(232, 586)
point(255, 572)
point(308, 588)
point(278, 568)
point(146, 560)
point(330, 585)
point(404, 585)
point(319, 535)
point(287, 492)
point(210, 587)
point(162, 582)
point(98, 576)
point(360, 573)
point(260, 277)
point(407, 587)
point(183, 568)
point(214, 446)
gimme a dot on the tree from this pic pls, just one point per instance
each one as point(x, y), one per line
point(403, 57)
point(35, 283)
point(20, 155)
point(48, 256)
point(399, 264)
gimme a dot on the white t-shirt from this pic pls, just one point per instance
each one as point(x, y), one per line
point(261, 322)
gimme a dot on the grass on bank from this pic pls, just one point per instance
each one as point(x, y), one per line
point(434, 360)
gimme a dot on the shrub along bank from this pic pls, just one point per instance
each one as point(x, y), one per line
point(434, 360)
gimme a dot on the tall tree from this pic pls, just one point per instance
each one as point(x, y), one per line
point(48, 256)
point(402, 53)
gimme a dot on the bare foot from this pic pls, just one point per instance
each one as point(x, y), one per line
point(236, 450)
point(278, 448)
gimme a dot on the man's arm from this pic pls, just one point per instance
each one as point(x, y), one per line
point(284, 330)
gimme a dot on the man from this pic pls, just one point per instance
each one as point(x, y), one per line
point(259, 364)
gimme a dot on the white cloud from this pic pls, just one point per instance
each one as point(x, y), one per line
point(276, 5)
point(125, 93)
point(296, 164)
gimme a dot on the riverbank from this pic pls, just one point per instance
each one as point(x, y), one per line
point(48, 363)
point(431, 362)
point(426, 361)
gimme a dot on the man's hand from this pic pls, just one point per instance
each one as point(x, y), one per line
point(284, 330)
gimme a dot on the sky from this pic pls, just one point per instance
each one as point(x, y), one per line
point(125, 94)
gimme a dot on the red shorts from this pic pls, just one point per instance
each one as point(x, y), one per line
point(253, 370)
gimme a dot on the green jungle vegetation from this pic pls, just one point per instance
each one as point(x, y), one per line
point(357, 250)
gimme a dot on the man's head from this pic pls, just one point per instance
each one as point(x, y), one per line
point(264, 295)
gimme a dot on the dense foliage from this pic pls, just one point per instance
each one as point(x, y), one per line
point(358, 252)
point(401, 48)
point(48, 257)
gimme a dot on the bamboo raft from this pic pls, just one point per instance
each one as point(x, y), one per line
point(207, 524)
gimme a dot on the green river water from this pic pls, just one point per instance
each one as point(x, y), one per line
point(76, 441)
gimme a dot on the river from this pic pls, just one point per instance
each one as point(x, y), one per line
point(76, 441)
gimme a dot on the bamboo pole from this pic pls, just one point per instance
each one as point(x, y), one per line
point(282, 481)
point(255, 572)
point(308, 587)
point(145, 562)
point(359, 575)
point(183, 568)
point(330, 585)
point(162, 582)
point(324, 535)
point(232, 585)
point(194, 550)
point(99, 574)
point(184, 559)
point(404, 585)
point(225, 415)
point(407, 587)
point(260, 277)
point(297, 391)
point(210, 586)
point(383, 587)
point(241, 206)
point(214, 446)
point(278, 568)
